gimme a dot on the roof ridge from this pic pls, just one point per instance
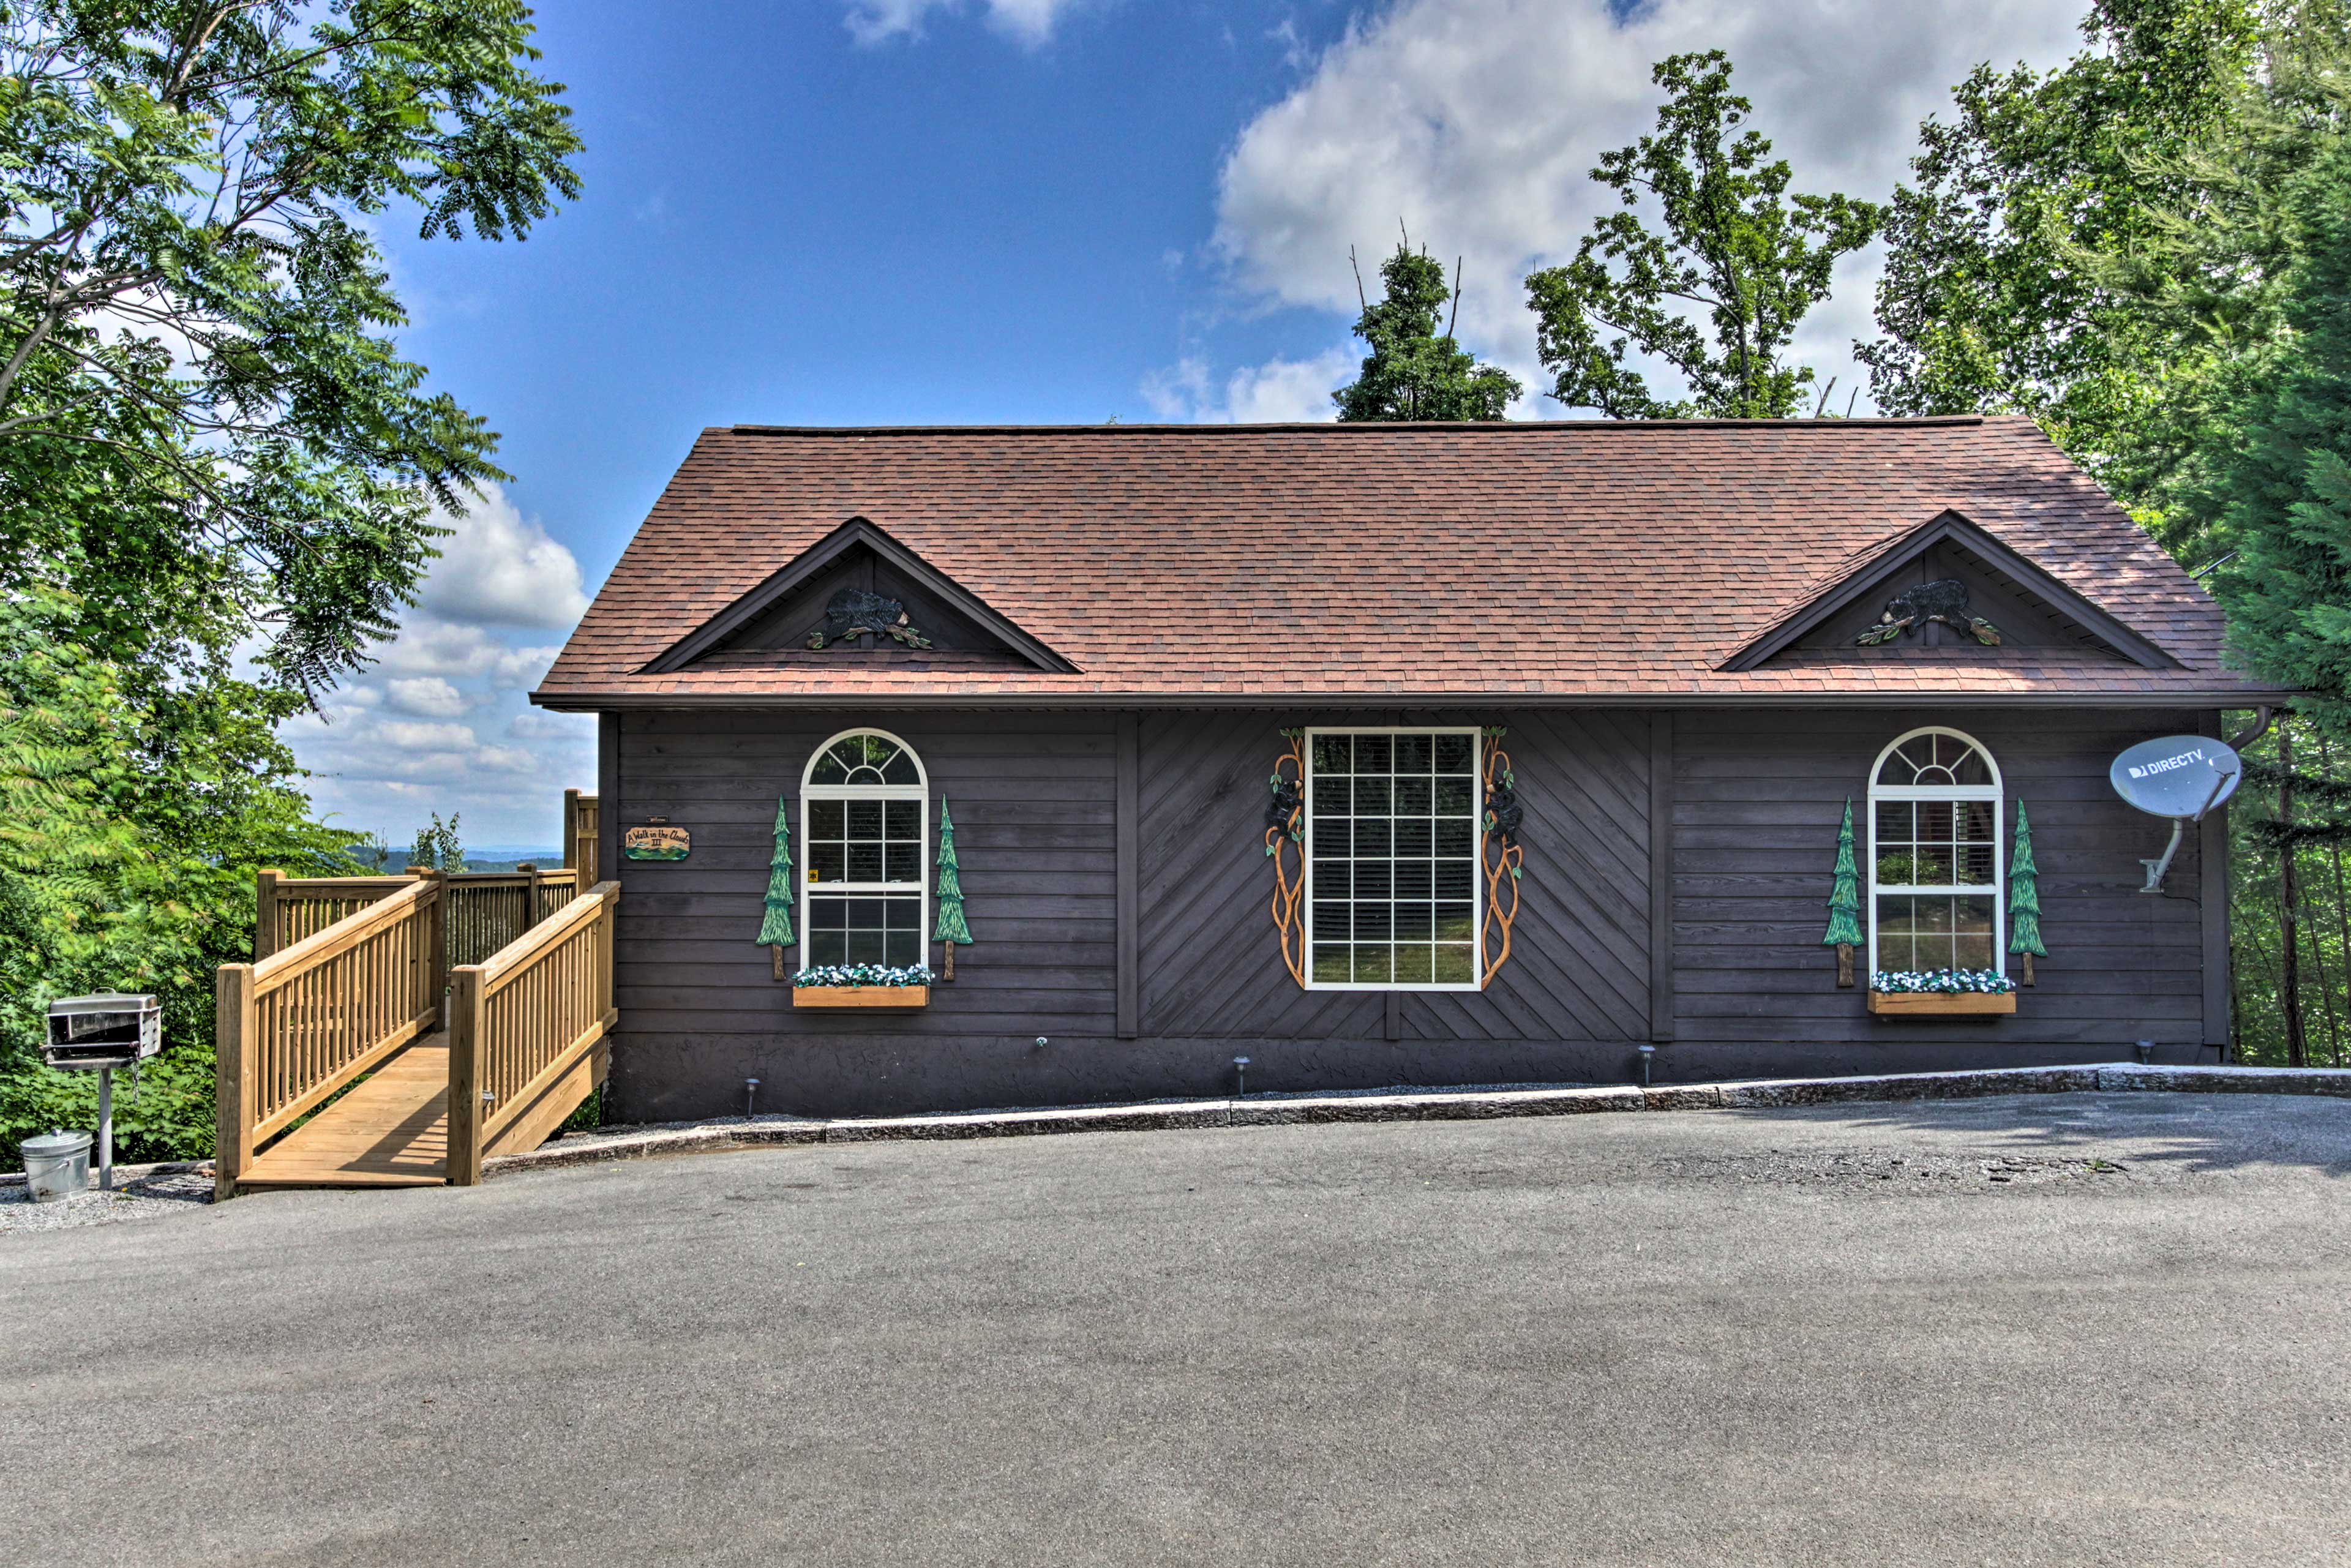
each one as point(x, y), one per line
point(1466, 427)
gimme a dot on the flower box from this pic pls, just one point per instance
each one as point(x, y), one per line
point(1941, 1004)
point(860, 995)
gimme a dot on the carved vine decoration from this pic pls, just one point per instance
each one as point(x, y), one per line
point(1946, 601)
point(1285, 841)
point(1499, 851)
point(852, 613)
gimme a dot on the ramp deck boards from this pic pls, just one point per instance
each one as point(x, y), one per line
point(391, 1130)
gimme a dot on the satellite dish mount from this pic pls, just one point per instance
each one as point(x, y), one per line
point(2181, 776)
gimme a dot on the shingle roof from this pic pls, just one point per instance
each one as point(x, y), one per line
point(1588, 560)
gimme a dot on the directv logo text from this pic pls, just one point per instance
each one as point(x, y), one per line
point(2168, 763)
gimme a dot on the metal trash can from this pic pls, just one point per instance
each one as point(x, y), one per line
point(57, 1166)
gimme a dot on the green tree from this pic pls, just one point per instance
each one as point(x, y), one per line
point(2024, 899)
point(209, 446)
point(1736, 247)
point(1843, 932)
point(437, 847)
point(949, 928)
point(2280, 495)
point(2088, 246)
point(1414, 371)
point(776, 925)
point(200, 409)
point(128, 842)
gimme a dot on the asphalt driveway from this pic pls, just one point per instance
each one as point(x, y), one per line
point(2067, 1329)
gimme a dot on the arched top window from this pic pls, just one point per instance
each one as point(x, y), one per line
point(865, 818)
point(1941, 760)
point(1934, 813)
point(865, 757)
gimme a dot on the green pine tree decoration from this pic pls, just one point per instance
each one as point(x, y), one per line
point(2024, 900)
point(776, 926)
point(951, 928)
point(1844, 902)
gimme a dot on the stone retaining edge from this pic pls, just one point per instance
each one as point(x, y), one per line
point(739, 1132)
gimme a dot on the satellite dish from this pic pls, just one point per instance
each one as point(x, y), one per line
point(2180, 777)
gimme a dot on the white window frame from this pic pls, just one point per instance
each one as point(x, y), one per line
point(1477, 850)
point(919, 790)
point(1995, 792)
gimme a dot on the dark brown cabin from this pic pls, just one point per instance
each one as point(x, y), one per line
point(1662, 649)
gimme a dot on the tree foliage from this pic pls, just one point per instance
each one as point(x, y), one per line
point(1735, 247)
point(2280, 490)
point(437, 846)
point(200, 406)
point(129, 830)
point(1414, 371)
point(2090, 246)
point(216, 472)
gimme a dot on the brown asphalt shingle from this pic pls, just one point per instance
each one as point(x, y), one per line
point(1611, 560)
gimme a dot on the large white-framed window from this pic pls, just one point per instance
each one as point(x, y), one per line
point(865, 819)
point(1935, 815)
point(1393, 868)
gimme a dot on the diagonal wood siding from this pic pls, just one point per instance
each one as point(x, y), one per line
point(1579, 965)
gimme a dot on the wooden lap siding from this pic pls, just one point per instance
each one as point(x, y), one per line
point(1034, 806)
point(1756, 797)
point(1579, 960)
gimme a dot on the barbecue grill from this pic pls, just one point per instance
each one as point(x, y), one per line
point(98, 1034)
point(116, 1029)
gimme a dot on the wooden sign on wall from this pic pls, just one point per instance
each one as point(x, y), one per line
point(662, 844)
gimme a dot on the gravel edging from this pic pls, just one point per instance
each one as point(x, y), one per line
point(753, 1132)
point(124, 1175)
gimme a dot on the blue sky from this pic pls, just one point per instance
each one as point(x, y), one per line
point(844, 212)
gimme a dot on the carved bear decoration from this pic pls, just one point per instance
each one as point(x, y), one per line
point(1283, 806)
point(853, 613)
point(1945, 601)
point(1503, 812)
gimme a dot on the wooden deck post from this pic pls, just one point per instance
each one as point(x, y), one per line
point(611, 919)
point(572, 830)
point(233, 1055)
point(466, 1007)
point(264, 913)
point(436, 944)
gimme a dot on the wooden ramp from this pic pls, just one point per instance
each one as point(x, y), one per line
point(390, 1131)
point(341, 1056)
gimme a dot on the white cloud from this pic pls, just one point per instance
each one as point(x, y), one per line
point(405, 735)
point(1278, 392)
point(410, 735)
point(426, 696)
point(1030, 22)
point(1478, 122)
point(536, 723)
point(500, 568)
point(427, 646)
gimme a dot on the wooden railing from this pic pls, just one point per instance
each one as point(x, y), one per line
point(582, 819)
point(288, 908)
point(484, 909)
point(308, 1020)
point(489, 909)
point(526, 1032)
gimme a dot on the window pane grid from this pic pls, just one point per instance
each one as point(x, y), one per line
point(1935, 867)
point(864, 887)
point(1392, 834)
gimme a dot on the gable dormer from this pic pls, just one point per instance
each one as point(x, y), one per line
point(854, 593)
point(1951, 585)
